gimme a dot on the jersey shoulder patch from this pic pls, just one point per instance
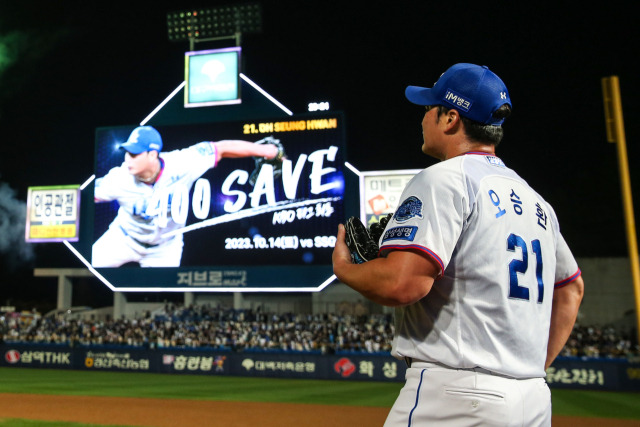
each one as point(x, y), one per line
point(400, 233)
point(205, 148)
point(495, 161)
point(411, 207)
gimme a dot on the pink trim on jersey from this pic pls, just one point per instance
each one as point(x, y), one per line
point(215, 152)
point(567, 280)
point(428, 251)
point(159, 173)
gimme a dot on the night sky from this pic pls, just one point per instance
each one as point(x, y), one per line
point(68, 68)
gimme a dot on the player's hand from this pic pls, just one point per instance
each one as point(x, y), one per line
point(275, 161)
point(341, 254)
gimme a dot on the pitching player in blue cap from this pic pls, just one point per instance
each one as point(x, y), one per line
point(486, 288)
point(146, 179)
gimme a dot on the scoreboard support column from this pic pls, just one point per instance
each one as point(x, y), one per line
point(65, 285)
point(189, 298)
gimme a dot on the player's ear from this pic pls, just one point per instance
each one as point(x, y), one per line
point(153, 154)
point(451, 119)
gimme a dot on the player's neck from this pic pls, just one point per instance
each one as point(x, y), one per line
point(151, 176)
point(468, 147)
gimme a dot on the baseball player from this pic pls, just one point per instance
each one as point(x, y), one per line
point(486, 289)
point(144, 186)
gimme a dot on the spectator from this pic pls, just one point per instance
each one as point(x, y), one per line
point(243, 330)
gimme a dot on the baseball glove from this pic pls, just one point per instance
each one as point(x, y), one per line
point(363, 243)
point(377, 228)
point(276, 162)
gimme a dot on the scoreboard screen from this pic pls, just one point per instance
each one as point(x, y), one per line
point(212, 77)
point(274, 229)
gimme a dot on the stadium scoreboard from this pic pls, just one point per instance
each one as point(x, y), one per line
point(276, 234)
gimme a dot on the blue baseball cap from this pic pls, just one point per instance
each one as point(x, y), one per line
point(473, 90)
point(143, 138)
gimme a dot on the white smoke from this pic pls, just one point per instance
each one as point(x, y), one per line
point(13, 215)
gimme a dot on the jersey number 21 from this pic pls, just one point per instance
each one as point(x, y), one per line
point(521, 265)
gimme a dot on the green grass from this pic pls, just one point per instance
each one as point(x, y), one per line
point(198, 387)
point(245, 389)
point(587, 403)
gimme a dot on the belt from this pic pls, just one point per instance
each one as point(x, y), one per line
point(144, 245)
point(409, 361)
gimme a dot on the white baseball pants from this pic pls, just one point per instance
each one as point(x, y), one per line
point(439, 396)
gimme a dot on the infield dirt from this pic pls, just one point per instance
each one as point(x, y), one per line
point(174, 412)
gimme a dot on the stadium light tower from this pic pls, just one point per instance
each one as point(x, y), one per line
point(211, 24)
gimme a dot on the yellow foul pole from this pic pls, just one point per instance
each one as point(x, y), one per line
point(615, 134)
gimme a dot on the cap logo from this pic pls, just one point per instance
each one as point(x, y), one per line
point(503, 95)
point(135, 136)
point(457, 100)
point(154, 145)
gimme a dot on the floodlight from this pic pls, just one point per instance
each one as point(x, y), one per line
point(222, 21)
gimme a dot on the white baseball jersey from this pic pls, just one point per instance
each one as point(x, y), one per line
point(145, 209)
point(501, 253)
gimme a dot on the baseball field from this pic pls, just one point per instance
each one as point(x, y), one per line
point(44, 397)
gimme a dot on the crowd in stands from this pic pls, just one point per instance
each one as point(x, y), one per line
point(203, 326)
point(595, 341)
point(247, 330)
